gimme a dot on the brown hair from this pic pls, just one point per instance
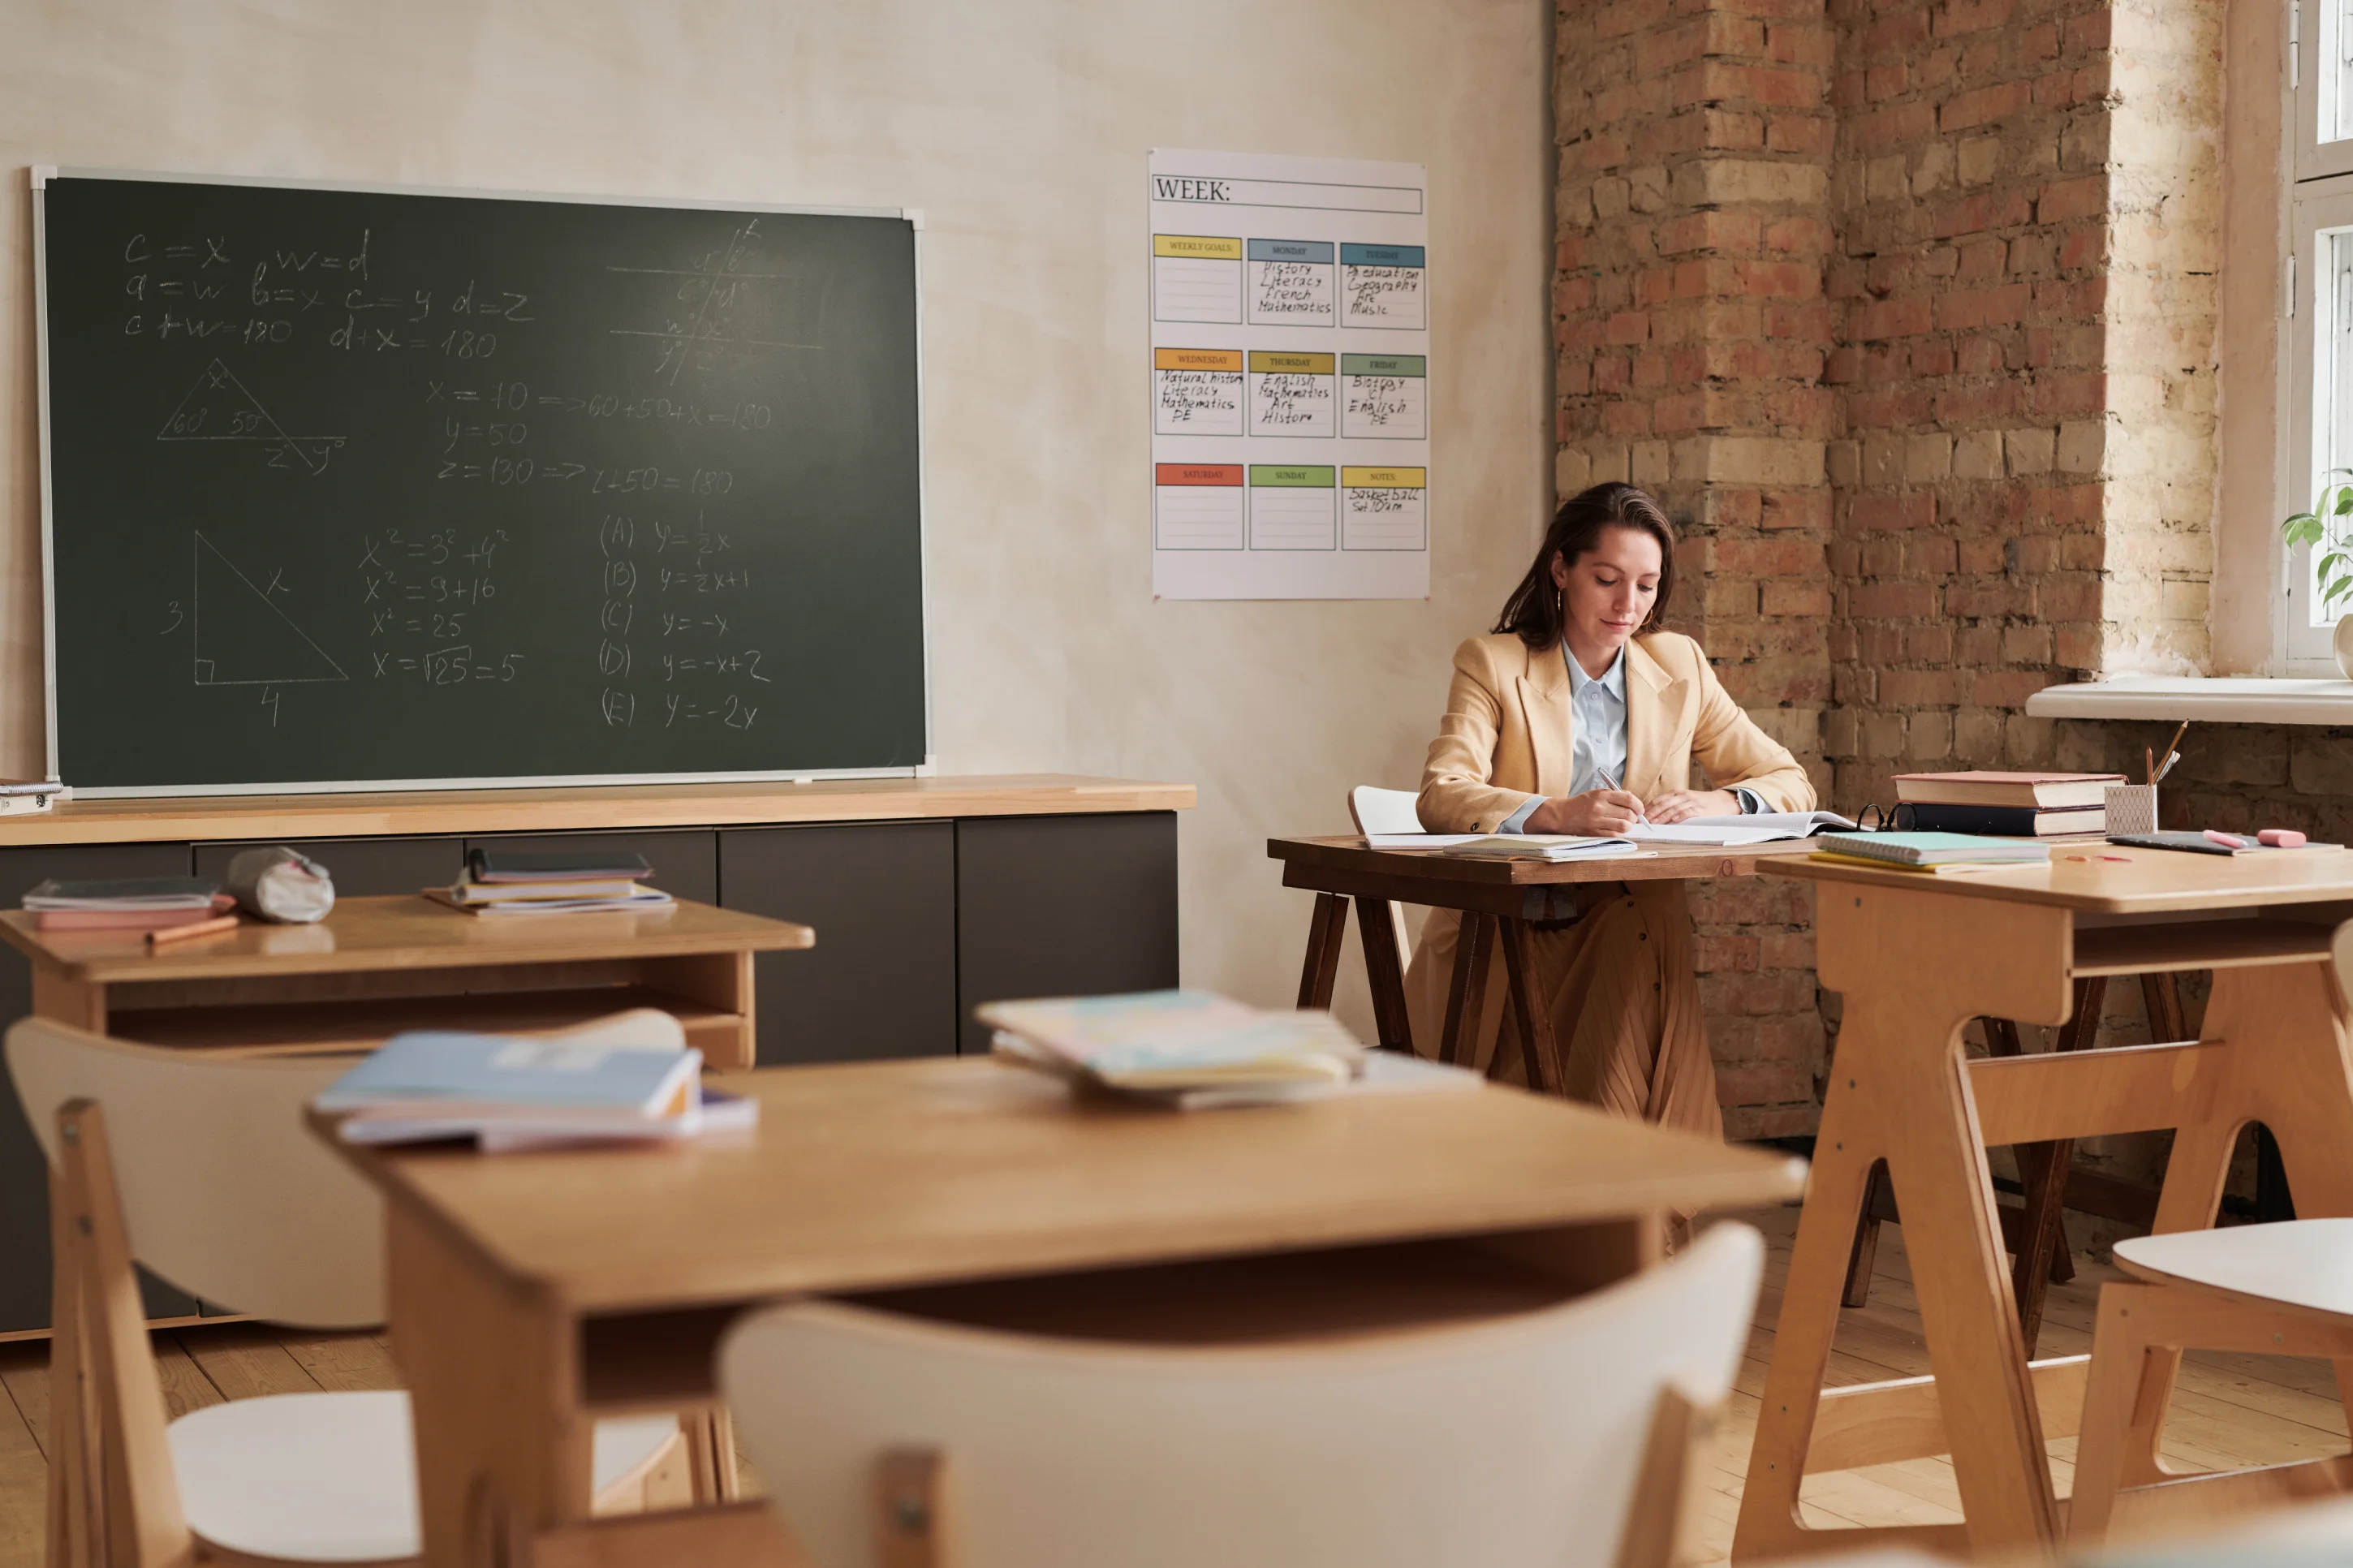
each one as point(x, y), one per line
point(1534, 609)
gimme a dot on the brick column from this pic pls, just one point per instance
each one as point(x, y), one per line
point(1691, 330)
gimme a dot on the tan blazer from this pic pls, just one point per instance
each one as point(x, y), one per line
point(1507, 732)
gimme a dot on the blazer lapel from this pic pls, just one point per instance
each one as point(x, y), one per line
point(1544, 704)
point(1653, 704)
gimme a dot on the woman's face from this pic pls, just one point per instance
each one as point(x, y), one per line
point(1607, 592)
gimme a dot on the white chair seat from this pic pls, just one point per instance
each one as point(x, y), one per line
point(332, 1477)
point(2297, 1262)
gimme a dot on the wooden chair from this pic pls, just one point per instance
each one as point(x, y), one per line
point(203, 1170)
point(1558, 1435)
point(2284, 1288)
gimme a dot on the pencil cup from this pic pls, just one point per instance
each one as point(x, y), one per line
point(2132, 808)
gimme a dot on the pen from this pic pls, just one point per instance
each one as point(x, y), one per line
point(1640, 814)
point(213, 927)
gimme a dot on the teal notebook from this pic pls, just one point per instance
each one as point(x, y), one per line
point(1932, 848)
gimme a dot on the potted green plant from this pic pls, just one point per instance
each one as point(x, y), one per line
point(2333, 564)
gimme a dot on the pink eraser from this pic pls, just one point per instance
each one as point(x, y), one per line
point(2228, 840)
point(2282, 837)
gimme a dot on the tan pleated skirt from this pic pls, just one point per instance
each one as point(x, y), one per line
point(1624, 997)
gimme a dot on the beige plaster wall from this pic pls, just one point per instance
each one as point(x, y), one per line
point(1020, 127)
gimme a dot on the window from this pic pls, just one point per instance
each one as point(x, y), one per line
point(2319, 394)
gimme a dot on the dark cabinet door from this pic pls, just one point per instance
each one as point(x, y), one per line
point(881, 980)
point(23, 1173)
point(685, 859)
point(1062, 906)
point(361, 867)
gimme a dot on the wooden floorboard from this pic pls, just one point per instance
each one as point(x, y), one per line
point(2232, 1410)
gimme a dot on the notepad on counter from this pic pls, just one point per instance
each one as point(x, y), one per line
point(1921, 851)
point(630, 1077)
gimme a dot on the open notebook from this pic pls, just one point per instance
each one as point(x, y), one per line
point(1763, 827)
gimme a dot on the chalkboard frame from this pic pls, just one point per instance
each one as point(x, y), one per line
point(41, 176)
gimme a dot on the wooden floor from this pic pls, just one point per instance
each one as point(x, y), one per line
point(2231, 1411)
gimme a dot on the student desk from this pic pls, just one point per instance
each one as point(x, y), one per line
point(1916, 957)
point(1498, 898)
point(376, 966)
point(531, 1293)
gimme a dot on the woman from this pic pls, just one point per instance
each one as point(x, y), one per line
point(1578, 715)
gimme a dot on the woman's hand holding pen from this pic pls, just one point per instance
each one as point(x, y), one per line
point(1602, 812)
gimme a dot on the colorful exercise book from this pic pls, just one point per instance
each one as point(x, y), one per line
point(627, 1078)
point(1907, 851)
point(125, 904)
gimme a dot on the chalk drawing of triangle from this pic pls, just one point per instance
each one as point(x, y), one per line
point(243, 639)
point(219, 408)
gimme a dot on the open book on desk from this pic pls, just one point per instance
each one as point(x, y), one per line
point(1730, 832)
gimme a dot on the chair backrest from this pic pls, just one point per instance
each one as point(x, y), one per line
point(1510, 1442)
point(225, 1192)
point(1384, 810)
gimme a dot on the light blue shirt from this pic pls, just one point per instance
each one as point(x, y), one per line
point(1596, 707)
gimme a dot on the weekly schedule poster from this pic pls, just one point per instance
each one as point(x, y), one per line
point(1289, 378)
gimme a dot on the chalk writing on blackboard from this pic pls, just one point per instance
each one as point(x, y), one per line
point(218, 407)
point(720, 306)
point(241, 636)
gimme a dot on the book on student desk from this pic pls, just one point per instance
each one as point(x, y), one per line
point(1550, 847)
point(630, 1075)
point(556, 866)
point(1976, 787)
point(1918, 850)
point(123, 893)
point(2009, 821)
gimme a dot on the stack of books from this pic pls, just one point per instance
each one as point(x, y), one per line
point(527, 882)
point(628, 1079)
point(129, 904)
point(1191, 1050)
point(1930, 851)
point(2025, 806)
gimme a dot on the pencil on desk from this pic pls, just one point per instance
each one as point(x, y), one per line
point(213, 927)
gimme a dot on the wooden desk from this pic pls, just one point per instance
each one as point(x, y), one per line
point(531, 1294)
point(376, 966)
point(1916, 957)
point(1497, 898)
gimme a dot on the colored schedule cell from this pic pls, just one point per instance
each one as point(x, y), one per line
point(1196, 506)
point(1294, 506)
point(1384, 508)
point(1382, 396)
point(1196, 391)
point(1197, 277)
point(1383, 286)
point(1291, 394)
point(1290, 283)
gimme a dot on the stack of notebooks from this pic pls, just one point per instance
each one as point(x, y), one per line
point(527, 882)
point(126, 904)
point(1929, 852)
point(1190, 1051)
point(2026, 805)
point(626, 1078)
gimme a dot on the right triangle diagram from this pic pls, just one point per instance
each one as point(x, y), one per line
point(243, 639)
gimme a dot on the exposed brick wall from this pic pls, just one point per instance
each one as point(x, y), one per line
point(1695, 145)
point(1906, 307)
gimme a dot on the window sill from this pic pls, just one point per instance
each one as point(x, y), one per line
point(2218, 700)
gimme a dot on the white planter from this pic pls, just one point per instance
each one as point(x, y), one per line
point(2342, 643)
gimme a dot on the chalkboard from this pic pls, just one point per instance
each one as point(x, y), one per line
point(362, 487)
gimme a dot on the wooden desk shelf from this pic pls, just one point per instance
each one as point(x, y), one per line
point(2198, 945)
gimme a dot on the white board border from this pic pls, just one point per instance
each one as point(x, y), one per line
point(43, 173)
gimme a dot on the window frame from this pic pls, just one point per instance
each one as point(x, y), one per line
point(2317, 201)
